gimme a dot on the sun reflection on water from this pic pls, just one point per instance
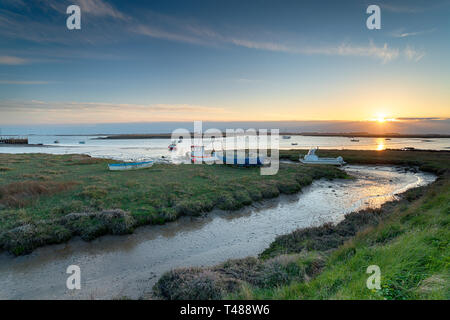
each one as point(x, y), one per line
point(380, 144)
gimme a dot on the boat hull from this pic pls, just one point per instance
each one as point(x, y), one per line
point(129, 166)
point(330, 162)
point(257, 161)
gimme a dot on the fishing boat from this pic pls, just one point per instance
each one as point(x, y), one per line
point(294, 143)
point(354, 140)
point(172, 146)
point(129, 165)
point(240, 160)
point(198, 155)
point(286, 137)
point(82, 142)
point(312, 158)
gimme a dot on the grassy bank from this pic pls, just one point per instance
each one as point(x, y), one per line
point(50, 198)
point(432, 161)
point(407, 239)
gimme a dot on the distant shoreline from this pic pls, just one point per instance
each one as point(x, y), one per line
point(306, 134)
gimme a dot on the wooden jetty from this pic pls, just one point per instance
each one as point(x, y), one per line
point(13, 140)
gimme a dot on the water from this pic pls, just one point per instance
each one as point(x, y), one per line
point(114, 266)
point(134, 149)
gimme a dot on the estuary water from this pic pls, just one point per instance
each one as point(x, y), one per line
point(134, 149)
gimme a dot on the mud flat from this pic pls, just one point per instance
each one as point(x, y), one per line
point(118, 266)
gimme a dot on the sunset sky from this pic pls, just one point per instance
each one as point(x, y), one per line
point(223, 60)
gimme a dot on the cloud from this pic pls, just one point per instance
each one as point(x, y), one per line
point(412, 54)
point(23, 82)
point(161, 34)
point(269, 46)
point(401, 8)
point(36, 111)
point(401, 34)
point(383, 52)
point(422, 118)
point(10, 60)
point(74, 106)
point(172, 29)
point(100, 8)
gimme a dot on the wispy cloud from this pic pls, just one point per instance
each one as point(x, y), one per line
point(409, 8)
point(422, 118)
point(36, 111)
point(177, 30)
point(13, 82)
point(402, 34)
point(399, 8)
point(383, 53)
point(74, 106)
point(11, 60)
point(100, 8)
point(167, 35)
point(412, 54)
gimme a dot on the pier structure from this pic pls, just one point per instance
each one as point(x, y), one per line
point(13, 140)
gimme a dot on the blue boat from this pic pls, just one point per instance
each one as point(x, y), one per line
point(129, 165)
point(241, 161)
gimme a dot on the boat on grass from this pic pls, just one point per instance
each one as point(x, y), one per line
point(129, 165)
point(238, 160)
point(198, 155)
point(312, 158)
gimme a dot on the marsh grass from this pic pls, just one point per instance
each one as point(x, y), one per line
point(45, 188)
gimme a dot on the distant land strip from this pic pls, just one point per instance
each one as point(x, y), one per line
point(312, 134)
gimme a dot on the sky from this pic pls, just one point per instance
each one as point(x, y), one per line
point(225, 60)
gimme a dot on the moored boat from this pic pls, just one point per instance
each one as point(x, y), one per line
point(198, 155)
point(130, 165)
point(312, 158)
point(240, 160)
point(172, 146)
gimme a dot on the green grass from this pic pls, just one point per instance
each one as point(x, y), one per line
point(407, 239)
point(38, 191)
point(411, 247)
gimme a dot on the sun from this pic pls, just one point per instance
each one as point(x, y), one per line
point(382, 118)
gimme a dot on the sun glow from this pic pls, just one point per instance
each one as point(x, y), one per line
point(382, 118)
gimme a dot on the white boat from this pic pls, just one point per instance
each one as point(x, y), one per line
point(312, 158)
point(198, 155)
point(130, 165)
